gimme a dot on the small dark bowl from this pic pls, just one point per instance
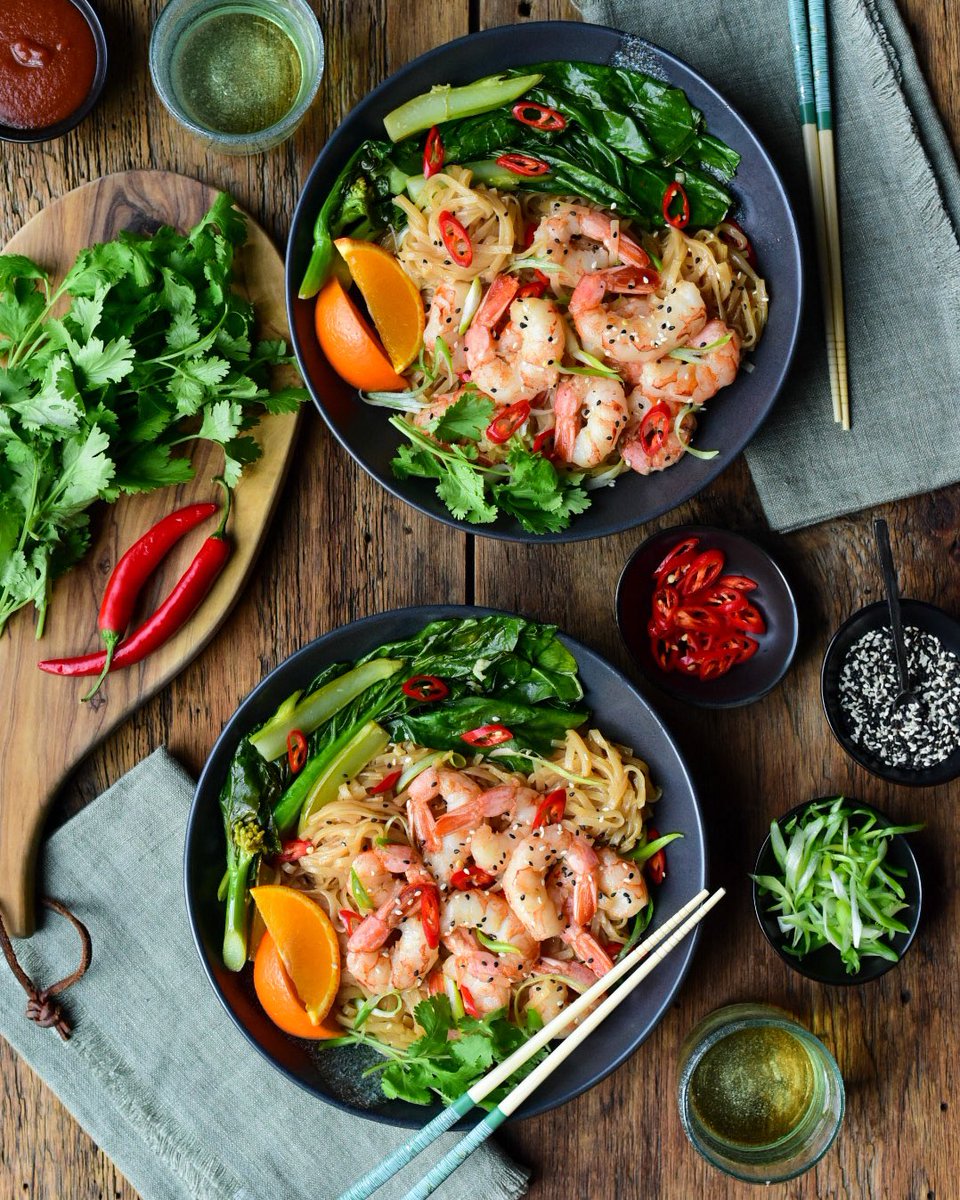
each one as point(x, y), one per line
point(825, 965)
point(924, 616)
point(744, 683)
point(49, 133)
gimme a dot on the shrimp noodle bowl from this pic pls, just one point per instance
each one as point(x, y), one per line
point(607, 797)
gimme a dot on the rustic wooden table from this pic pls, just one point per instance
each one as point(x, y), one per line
point(342, 548)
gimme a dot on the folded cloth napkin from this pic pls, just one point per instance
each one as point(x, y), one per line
point(155, 1071)
point(899, 196)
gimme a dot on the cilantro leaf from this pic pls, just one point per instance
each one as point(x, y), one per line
point(467, 417)
point(18, 266)
point(462, 490)
point(86, 469)
point(104, 363)
point(221, 421)
point(238, 452)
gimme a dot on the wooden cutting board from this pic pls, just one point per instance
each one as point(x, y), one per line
point(45, 730)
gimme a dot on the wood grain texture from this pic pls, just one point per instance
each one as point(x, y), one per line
point(342, 548)
point(96, 212)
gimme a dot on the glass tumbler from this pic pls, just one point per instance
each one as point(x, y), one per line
point(760, 1097)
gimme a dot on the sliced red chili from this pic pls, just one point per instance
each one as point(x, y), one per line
point(543, 443)
point(425, 688)
point(296, 750)
point(548, 119)
point(698, 617)
point(662, 653)
point(716, 663)
point(529, 234)
point(703, 571)
point(747, 249)
point(433, 153)
point(430, 914)
point(471, 876)
point(294, 850)
point(386, 784)
point(727, 598)
point(536, 287)
point(747, 618)
point(551, 808)
point(657, 865)
point(677, 220)
point(350, 919)
point(506, 423)
point(487, 735)
point(469, 1004)
point(523, 164)
point(435, 982)
point(666, 601)
point(655, 428)
point(739, 583)
point(682, 550)
point(456, 239)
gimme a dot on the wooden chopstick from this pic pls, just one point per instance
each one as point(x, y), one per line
point(526, 1087)
point(820, 52)
point(498, 1075)
point(806, 92)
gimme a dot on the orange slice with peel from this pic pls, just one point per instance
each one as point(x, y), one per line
point(279, 998)
point(391, 297)
point(350, 345)
point(306, 945)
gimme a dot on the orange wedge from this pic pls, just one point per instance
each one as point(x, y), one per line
point(306, 945)
point(391, 296)
point(279, 998)
point(351, 346)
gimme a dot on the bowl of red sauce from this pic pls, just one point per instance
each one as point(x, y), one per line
point(708, 616)
point(53, 65)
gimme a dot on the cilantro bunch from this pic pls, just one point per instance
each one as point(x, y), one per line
point(154, 352)
point(525, 486)
point(445, 1065)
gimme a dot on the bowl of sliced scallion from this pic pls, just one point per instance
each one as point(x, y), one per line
point(837, 890)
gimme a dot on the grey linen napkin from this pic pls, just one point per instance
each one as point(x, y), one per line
point(899, 195)
point(155, 1071)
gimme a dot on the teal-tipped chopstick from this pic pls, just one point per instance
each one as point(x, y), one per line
point(806, 94)
point(405, 1153)
point(526, 1087)
point(820, 52)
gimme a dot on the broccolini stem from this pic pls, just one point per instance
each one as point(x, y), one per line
point(236, 923)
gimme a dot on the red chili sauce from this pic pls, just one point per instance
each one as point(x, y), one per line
point(48, 59)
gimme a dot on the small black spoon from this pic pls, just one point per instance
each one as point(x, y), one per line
point(906, 695)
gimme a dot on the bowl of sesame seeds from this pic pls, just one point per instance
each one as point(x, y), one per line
point(916, 744)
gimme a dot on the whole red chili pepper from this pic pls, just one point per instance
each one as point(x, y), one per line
point(173, 613)
point(136, 566)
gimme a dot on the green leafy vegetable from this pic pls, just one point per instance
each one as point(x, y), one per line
point(453, 1052)
point(834, 887)
point(155, 352)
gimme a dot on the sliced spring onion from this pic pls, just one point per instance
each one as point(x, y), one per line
point(360, 893)
point(493, 945)
point(832, 889)
point(373, 1007)
point(642, 853)
point(470, 305)
point(678, 422)
point(592, 372)
point(398, 401)
point(693, 354)
point(539, 264)
point(457, 761)
point(441, 352)
point(537, 759)
point(640, 923)
point(605, 477)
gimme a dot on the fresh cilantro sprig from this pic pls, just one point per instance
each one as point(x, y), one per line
point(525, 486)
point(447, 1065)
point(155, 352)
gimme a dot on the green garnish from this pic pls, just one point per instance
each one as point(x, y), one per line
point(155, 352)
point(493, 945)
point(437, 1063)
point(360, 893)
point(640, 923)
point(833, 888)
point(649, 849)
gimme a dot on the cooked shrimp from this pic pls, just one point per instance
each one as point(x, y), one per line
point(410, 957)
point(694, 383)
point(590, 413)
point(443, 321)
point(478, 973)
point(525, 880)
point(443, 855)
point(378, 868)
point(490, 914)
point(622, 888)
point(662, 452)
point(580, 240)
point(551, 995)
point(637, 326)
point(523, 360)
point(562, 885)
point(491, 848)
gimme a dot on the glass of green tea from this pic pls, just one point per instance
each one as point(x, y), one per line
point(760, 1097)
point(240, 74)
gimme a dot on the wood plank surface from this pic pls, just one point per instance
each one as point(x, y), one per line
point(342, 548)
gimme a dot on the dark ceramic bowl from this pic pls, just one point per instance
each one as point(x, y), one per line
point(876, 616)
point(761, 207)
point(744, 683)
point(50, 133)
point(825, 965)
point(333, 1075)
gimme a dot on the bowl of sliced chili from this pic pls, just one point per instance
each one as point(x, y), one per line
point(708, 616)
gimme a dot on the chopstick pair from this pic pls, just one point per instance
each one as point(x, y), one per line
point(811, 60)
point(663, 940)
